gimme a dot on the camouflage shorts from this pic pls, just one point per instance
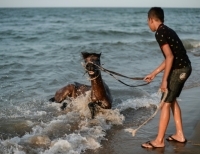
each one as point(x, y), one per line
point(176, 81)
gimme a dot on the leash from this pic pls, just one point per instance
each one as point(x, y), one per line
point(133, 131)
point(118, 74)
point(112, 73)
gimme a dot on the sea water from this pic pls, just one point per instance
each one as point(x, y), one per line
point(40, 52)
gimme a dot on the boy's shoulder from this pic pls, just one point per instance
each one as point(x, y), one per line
point(162, 27)
point(164, 30)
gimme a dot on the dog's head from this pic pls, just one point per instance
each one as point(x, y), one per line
point(92, 61)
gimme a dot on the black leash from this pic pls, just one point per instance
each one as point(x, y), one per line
point(118, 74)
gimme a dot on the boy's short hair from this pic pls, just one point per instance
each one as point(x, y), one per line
point(157, 13)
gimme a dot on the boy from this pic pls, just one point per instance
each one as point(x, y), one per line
point(177, 68)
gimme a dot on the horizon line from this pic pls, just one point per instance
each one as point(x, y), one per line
point(94, 7)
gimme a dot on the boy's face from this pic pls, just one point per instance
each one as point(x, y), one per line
point(150, 22)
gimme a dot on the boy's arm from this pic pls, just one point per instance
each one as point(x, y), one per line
point(152, 75)
point(159, 69)
point(165, 65)
point(168, 65)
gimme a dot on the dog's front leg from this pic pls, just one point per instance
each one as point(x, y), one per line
point(93, 106)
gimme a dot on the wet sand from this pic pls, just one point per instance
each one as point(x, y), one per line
point(121, 142)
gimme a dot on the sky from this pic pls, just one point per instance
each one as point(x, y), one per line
point(100, 3)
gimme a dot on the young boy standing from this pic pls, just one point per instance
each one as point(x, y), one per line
point(177, 68)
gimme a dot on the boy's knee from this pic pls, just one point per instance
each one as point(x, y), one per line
point(167, 104)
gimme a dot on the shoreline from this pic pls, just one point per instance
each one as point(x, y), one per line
point(121, 142)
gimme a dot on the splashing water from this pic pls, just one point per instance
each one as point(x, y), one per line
point(71, 132)
point(133, 131)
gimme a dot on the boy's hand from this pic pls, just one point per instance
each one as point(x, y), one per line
point(149, 78)
point(163, 86)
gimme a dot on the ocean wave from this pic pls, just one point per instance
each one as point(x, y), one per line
point(71, 131)
point(17, 35)
point(7, 32)
point(196, 52)
point(192, 46)
point(13, 65)
point(117, 32)
point(52, 131)
point(76, 37)
point(137, 103)
point(191, 43)
point(117, 43)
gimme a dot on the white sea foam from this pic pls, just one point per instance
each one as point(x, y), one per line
point(78, 131)
point(192, 45)
point(136, 103)
point(74, 131)
point(196, 44)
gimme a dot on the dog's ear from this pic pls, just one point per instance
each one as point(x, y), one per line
point(85, 54)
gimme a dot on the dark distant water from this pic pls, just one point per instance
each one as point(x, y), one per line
point(40, 52)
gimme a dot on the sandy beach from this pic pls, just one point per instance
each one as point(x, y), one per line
point(121, 142)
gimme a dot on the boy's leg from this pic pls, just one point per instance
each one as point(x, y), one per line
point(163, 123)
point(179, 135)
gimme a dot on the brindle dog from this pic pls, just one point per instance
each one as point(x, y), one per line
point(100, 93)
